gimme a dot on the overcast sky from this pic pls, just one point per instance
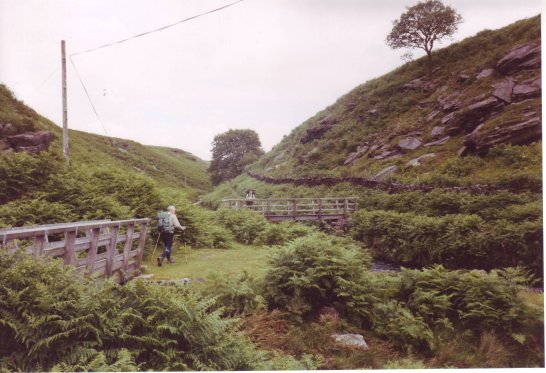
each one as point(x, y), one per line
point(267, 65)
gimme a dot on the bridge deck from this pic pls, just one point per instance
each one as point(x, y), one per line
point(329, 208)
point(100, 248)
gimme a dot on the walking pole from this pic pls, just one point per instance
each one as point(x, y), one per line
point(156, 242)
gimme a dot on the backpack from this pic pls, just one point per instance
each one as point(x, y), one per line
point(162, 221)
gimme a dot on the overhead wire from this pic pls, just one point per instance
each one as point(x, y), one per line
point(131, 38)
point(158, 29)
point(88, 96)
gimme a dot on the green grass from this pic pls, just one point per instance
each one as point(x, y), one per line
point(202, 262)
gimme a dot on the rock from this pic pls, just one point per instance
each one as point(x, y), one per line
point(426, 103)
point(31, 142)
point(527, 89)
point(503, 90)
point(485, 73)
point(437, 131)
point(432, 114)
point(373, 111)
point(514, 132)
point(384, 173)
point(329, 312)
point(464, 150)
point(473, 115)
point(409, 143)
point(417, 161)
point(462, 78)
point(451, 102)
point(523, 56)
point(388, 153)
point(418, 84)
point(351, 340)
point(318, 130)
point(448, 118)
point(7, 129)
point(442, 141)
point(353, 157)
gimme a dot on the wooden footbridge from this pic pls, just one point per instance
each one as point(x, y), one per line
point(279, 209)
point(100, 248)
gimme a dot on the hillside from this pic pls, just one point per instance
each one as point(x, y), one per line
point(447, 169)
point(107, 177)
point(411, 128)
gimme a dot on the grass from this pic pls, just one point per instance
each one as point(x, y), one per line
point(202, 262)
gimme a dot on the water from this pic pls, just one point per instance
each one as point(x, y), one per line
point(380, 266)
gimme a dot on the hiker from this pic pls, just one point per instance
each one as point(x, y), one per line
point(167, 234)
point(250, 197)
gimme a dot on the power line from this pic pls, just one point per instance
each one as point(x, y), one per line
point(87, 93)
point(159, 29)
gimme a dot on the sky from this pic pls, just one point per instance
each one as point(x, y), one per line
point(265, 65)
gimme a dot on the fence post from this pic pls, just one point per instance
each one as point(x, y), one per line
point(141, 242)
point(39, 244)
point(320, 209)
point(93, 245)
point(128, 244)
point(69, 247)
point(111, 251)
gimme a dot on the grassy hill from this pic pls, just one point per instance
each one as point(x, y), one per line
point(392, 120)
point(107, 177)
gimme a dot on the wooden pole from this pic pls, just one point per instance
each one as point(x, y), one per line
point(65, 109)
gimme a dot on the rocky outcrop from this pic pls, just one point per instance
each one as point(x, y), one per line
point(316, 131)
point(527, 89)
point(451, 102)
point(441, 141)
point(485, 73)
point(503, 90)
point(517, 132)
point(354, 156)
point(384, 173)
point(419, 84)
point(437, 131)
point(30, 142)
point(417, 161)
point(520, 57)
point(409, 143)
point(473, 115)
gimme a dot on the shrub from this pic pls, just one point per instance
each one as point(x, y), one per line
point(53, 319)
point(315, 271)
point(456, 241)
point(281, 233)
point(245, 225)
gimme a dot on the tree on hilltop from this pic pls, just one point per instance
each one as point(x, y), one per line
point(422, 25)
point(231, 152)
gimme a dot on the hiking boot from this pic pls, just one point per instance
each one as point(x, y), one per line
point(170, 261)
point(159, 260)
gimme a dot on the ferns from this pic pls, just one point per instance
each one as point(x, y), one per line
point(53, 320)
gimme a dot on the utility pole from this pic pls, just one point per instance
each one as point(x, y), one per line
point(65, 109)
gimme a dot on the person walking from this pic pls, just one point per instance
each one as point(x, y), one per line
point(167, 235)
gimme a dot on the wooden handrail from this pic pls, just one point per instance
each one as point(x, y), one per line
point(307, 208)
point(83, 252)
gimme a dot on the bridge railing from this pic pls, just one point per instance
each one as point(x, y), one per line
point(98, 248)
point(297, 208)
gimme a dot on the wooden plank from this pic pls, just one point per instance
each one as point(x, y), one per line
point(128, 244)
point(69, 241)
point(39, 245)
point(93, 248)
point(111, 251)
point(141, 243)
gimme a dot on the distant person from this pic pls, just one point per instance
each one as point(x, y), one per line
point(167, 234)
point(250, 197)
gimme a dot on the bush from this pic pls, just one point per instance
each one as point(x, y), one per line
point(281, 233)
point(54, 319)
point(316, 271)
point(456, 241)
point(245, 225)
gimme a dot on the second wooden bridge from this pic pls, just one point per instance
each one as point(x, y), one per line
point(330, 208)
